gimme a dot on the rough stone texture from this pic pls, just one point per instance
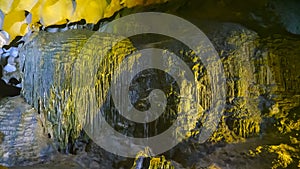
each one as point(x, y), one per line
point(262, 96)
point(48, 67)
point(144, 160)
point(263, 99)
point(260, 126)
point(50, 61)
point(239, 50)
point(23, 140)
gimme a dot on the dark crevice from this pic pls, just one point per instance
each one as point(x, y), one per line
point(8, 90)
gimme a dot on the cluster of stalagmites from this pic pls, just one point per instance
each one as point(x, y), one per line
point(261, 77)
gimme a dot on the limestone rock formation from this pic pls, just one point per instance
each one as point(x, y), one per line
point(261, 75)
point(51, 79)
point(22, 137)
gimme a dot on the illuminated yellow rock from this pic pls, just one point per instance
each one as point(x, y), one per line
point(92, 11)
point(55, 12)
point(2, 167)
point(114, 5)
point(5, 5)
point(284, 155)
point(144, 159)
point(36, 13)
point(24, 4)
point(15, 24)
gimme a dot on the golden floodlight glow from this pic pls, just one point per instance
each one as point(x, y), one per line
point(15, 24)
point(57, 12)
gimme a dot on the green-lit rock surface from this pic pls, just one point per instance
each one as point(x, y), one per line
point(48, 60)
point(262, 96)
point(259, 128)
